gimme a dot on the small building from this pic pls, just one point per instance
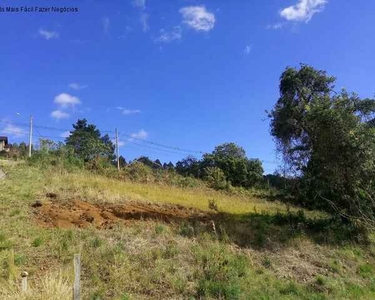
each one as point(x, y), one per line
point(4, 143)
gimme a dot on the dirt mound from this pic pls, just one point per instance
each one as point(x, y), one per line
point(82, 214)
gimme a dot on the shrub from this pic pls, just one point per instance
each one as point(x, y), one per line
point(215, 178)
point(137, 171)
point(220, 272)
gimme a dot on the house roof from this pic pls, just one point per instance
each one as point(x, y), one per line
point(5, 139)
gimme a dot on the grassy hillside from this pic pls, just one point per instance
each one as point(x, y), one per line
point(247, 248)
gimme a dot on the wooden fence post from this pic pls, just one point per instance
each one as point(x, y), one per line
point(24, 282)
point(77, 277)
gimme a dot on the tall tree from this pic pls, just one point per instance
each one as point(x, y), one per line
point(326, 138)
point(87, 142)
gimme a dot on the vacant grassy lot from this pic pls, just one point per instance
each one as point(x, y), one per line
point(256, 249)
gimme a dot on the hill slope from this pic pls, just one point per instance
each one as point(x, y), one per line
point(150, 241)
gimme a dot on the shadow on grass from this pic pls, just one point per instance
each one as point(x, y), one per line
point(263, 230)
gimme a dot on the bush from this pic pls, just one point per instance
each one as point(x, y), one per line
point(215, 178)
point(139, 172)
point(62, 156)
point(220, 272)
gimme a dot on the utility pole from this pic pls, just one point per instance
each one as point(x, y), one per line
point(117, 150)
point(30, 135)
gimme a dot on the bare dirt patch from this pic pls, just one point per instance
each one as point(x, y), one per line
point(82, 214)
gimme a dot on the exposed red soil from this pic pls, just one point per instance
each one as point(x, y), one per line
point(82, 214)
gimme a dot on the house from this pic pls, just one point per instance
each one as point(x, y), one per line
point(4, 143)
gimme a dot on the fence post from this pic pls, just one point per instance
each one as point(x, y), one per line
point(77, 277)
point(24, 275)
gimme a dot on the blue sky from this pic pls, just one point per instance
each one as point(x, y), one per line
point(185, 73)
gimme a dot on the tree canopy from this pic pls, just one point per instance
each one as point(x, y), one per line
point(88, 143)
point(328, 140)
point(227, 161)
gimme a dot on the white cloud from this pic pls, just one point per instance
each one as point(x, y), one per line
point(125, 111)
point(77, 86)
point(247, 49)
point(166, 37)
point(275, 26)
point(142, 134)
point(105, 24)
point(198, 18)
point(65, 134)
point(59, 114)
point(48, 34)
point(66, 100)
point(304, 10)
point(13, 130)
point(139, 4)
point(144, 21)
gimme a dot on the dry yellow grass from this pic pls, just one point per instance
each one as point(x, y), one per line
point(91, 187)
point(156, 260)
point(52, 287)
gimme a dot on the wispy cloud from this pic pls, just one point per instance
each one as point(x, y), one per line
point(144, 21)
point(120, 142)
point(141, 4)
point(247, 49)
point(46, 34)
point(65, 100)
point(65, 134)
point(59, 114)
point(76, 86)
point(105, 24)
point(303, 11)
point(125, 111)
point(169, 36)
point(13, 130)
point(142, 134)
point(198, 18)
point(275, 26)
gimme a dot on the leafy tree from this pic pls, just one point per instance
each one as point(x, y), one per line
point(168, 166)
point(237, 168)
point(327, 139)
point(230, 159)
point(189, 166)
point(122, 162)
point(158, 164)
point(87, 142)
point(47, 145)
point(150, 163)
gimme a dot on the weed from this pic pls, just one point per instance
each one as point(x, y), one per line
point(212, 204)
point(14, 212)
point(19, 259)
point(186, 230)
point(267, 263)
point(320, 280)
point(4, 243)
point(37, 242)
point(125, 296)
point(159, 229)
point(366, 270)
point(220, 272)
point(96, 242)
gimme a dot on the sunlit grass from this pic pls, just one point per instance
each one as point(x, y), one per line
point(153, 260)
point(92, 187)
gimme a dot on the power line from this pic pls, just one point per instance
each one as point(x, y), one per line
point(162, 145)
point(130, 139)
point(158, 149)
point(129, 136)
